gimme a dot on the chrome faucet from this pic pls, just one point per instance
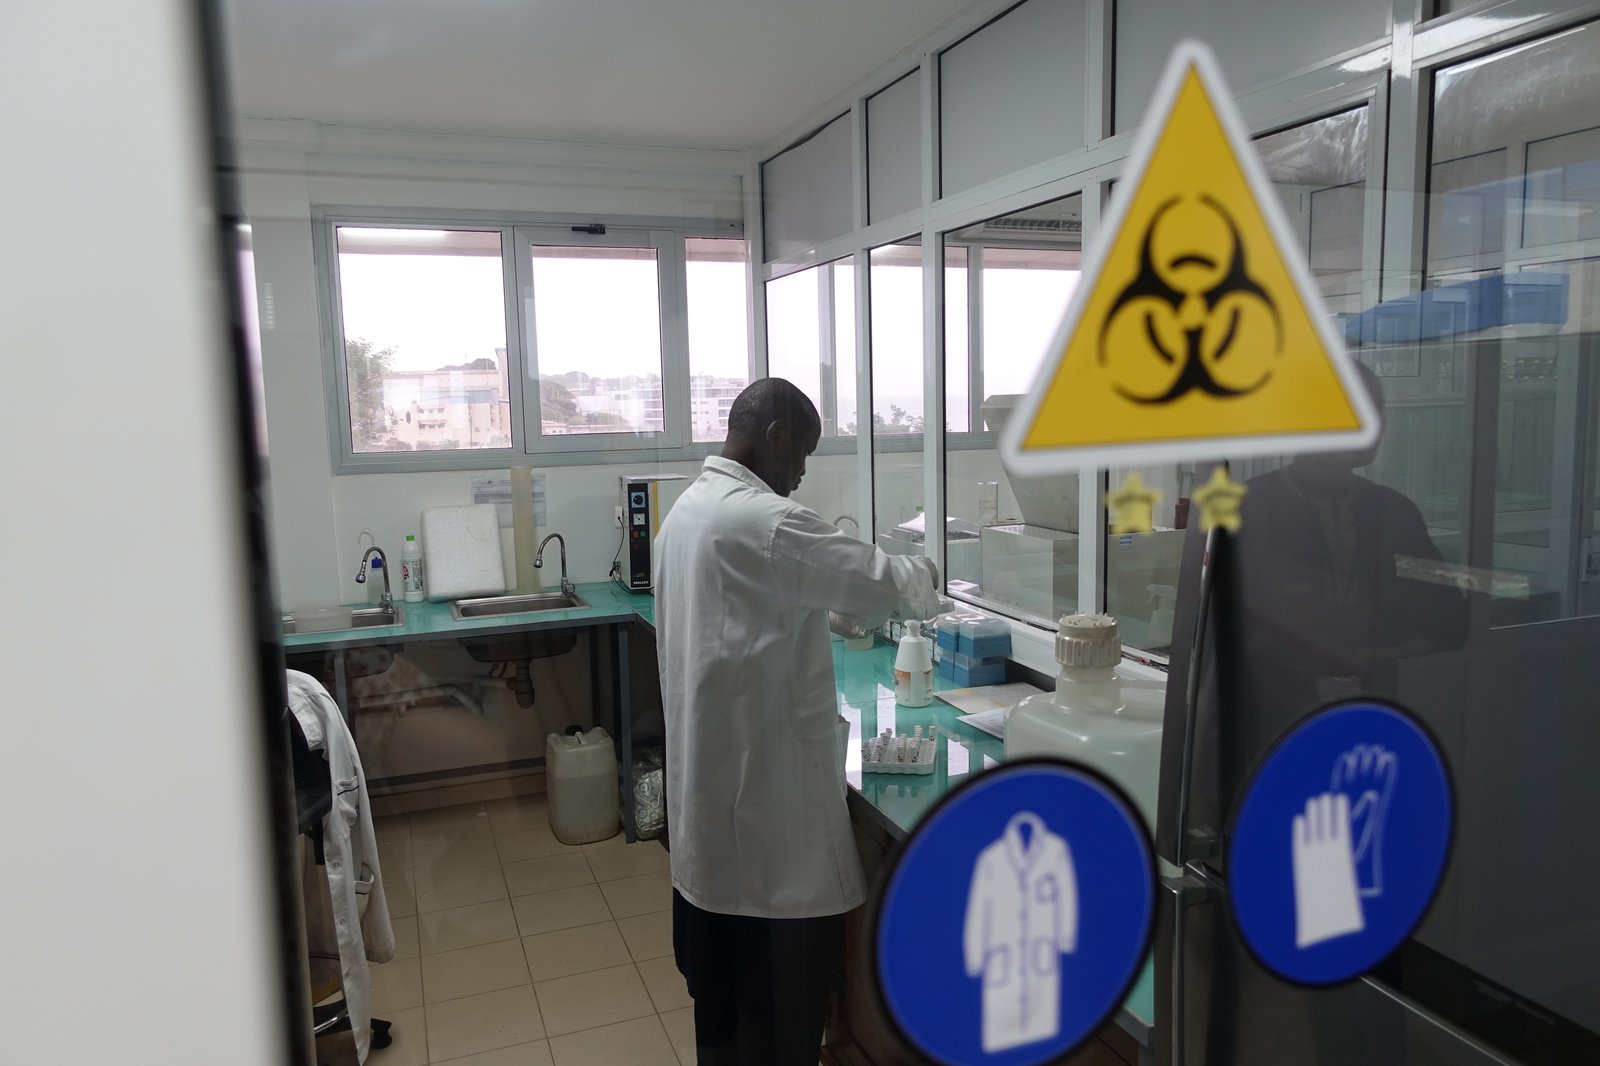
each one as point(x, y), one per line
point(387, 603)
point(568, 589)
point(851, 519)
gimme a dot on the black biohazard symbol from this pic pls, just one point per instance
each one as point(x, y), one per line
point(1187, 285)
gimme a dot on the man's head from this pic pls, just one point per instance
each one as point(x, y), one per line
point(772, 428)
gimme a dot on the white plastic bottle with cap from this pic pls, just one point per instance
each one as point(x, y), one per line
point(913, 669)
point(1110, 723)
point(411, 569)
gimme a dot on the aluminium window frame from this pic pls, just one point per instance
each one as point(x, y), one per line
point(586, 449)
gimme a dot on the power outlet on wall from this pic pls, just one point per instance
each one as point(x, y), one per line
point(619, 516)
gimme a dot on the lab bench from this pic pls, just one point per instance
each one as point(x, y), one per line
point(611, 615)
point(884, 808)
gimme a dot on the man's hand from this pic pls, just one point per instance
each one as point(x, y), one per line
point(933, 570)
point(843, 626)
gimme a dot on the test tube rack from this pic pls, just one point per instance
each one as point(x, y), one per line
point(900, 754)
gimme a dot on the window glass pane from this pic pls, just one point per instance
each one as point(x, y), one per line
point(597, 339)
point(1563, 189)
point(842, 357)
point(1254, 43)
point(807, 195)
point(1011, 94)
point(957, 349)
point(424, 321)
point(719, 346)
point(1010, 543)
point(811, 340)
point(1319, 170)
point(894, 149)
point(896, 322)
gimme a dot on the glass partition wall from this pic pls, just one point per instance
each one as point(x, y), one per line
point(895, 314)
point(1010, 543)
point(1319, 171)
point(811, 340)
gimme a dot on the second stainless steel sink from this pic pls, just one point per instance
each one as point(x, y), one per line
point(335, 619)
point(491, 606)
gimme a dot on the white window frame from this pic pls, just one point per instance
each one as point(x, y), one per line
point(518, 233)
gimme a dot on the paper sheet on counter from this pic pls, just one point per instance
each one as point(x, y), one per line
point(986, 706)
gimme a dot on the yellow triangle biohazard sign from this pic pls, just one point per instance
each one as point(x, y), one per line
point(1196, 331)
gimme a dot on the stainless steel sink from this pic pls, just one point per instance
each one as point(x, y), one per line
point(337, 619)
point(491, 606)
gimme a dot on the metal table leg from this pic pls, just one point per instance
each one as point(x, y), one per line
point(625, 731)
point(341, 684)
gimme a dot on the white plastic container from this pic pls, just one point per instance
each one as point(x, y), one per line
point(581, 775)
point(913, 669)
point(411, 569)
point(1110, 723)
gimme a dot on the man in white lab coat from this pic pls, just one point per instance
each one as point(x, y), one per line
point(764, 864)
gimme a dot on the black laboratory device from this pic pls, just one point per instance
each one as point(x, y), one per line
point(646, 499)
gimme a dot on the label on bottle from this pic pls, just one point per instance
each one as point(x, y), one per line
point(411, 576)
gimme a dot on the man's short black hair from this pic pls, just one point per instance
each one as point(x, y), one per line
point(770, 400)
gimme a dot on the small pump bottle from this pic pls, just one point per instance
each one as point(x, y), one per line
point(913, 669)
point(1110, 723)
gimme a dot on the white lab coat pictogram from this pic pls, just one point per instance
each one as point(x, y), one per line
point(1022, 916)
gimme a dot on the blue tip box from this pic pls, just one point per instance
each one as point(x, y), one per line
point(989, 672)
point(983, 638)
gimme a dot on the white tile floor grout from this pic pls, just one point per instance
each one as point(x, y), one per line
point(515, 949)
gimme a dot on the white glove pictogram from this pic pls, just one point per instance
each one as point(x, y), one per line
point(1326, 902)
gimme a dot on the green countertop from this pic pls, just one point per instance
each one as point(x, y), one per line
point(866, 699)
point(865, 680)
point(608, 603)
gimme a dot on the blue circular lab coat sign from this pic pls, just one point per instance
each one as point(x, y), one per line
point(1017, 916)
point(1339, 844)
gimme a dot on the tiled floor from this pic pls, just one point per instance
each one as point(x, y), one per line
point(517, 950)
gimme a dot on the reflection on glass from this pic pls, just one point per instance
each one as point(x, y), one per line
point(1318, 170)
point(895, 315)
point(719, 362)
point(1503, 337)
point(424, 322)
point(1010, 543)
point(1142, 568)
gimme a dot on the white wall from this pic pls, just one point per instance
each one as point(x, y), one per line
point(137, 913)
point(290, 168)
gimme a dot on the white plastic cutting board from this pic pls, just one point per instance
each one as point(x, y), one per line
point(461, 552)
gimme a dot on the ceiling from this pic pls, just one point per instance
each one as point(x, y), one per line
point(685, 73)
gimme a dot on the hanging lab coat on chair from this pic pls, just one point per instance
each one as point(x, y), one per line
point(1022, 916)
point(350, 850)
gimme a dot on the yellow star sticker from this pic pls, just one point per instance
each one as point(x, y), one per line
point(1132, 506)
point(1219, 501)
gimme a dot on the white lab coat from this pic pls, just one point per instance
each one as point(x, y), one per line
point(350, 850)
point(745, 579)
point(1022, 916)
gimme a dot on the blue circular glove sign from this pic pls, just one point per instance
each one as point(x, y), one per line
point(1339, 844)
point(1017, 916)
